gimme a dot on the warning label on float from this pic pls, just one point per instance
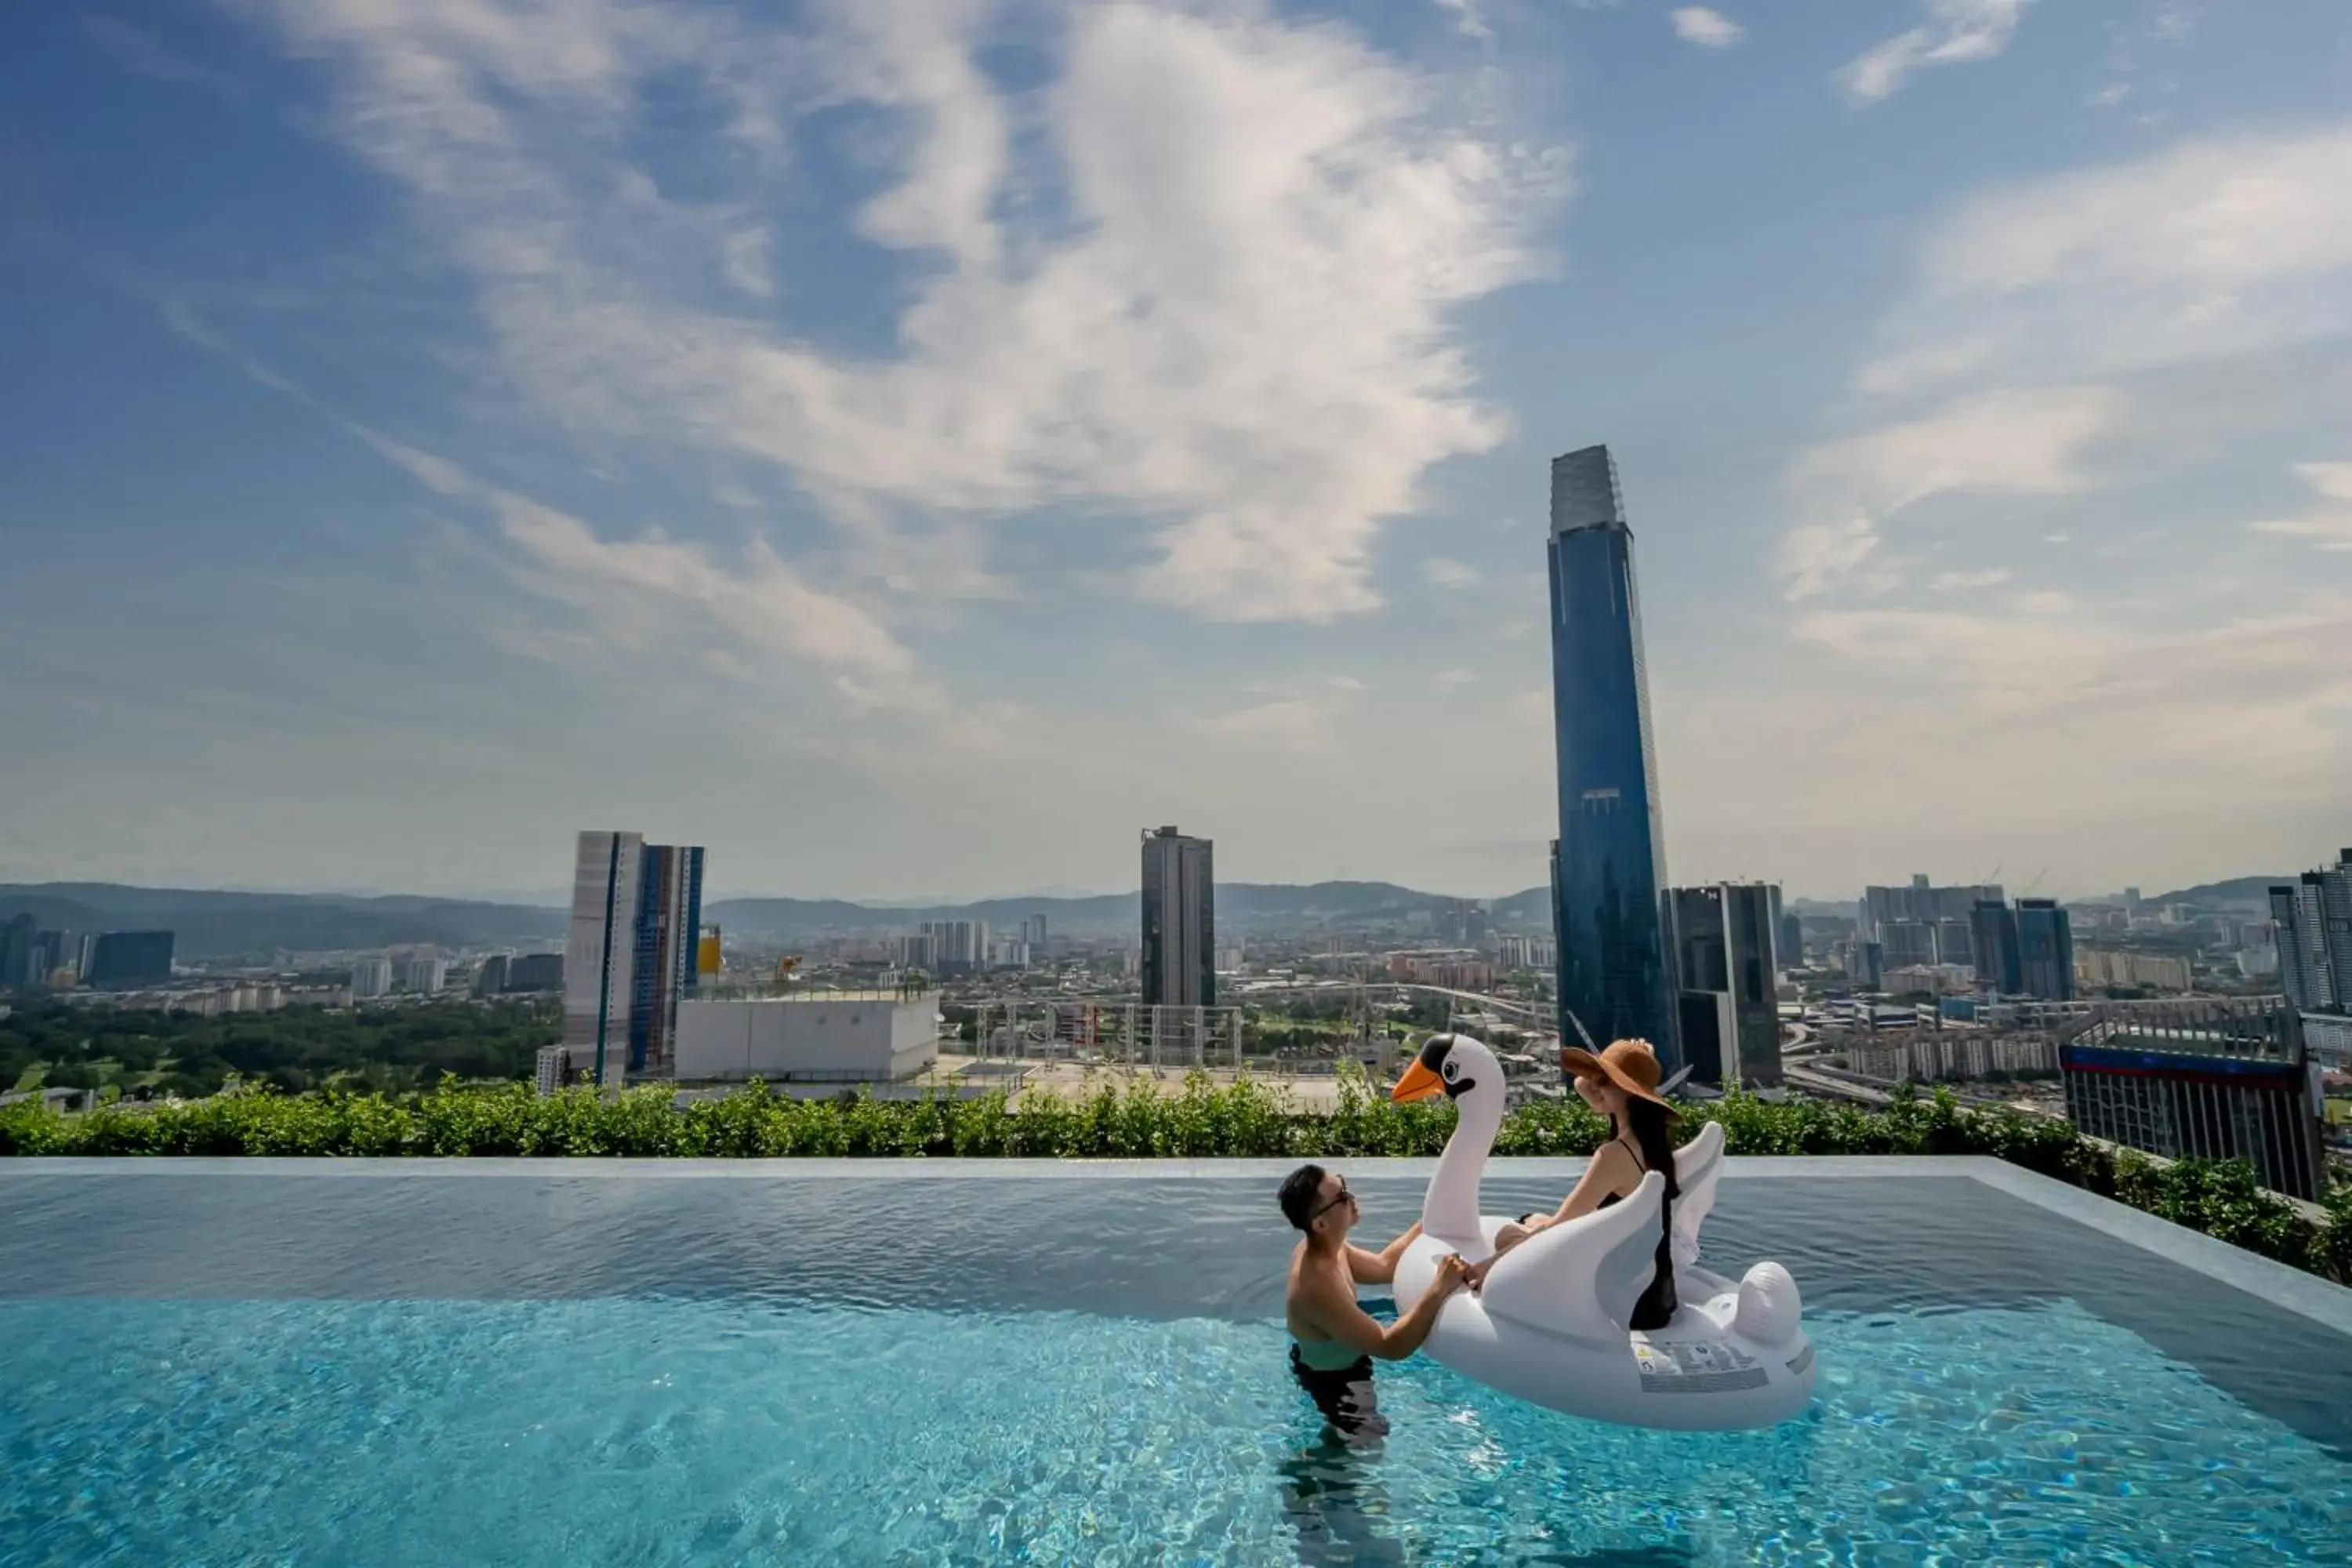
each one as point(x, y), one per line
point(1673, 1358)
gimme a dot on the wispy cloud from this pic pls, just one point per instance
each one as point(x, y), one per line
point(2028, 442)
point(2056, 337)
point(2328, 524)
point(143, 53)
point(1467, 19)
point(1709, 29)
point(1234, 332)
point(1446, 572)
point(1956, 32)
point(1954, 582)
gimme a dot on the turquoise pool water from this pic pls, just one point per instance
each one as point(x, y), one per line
point(482, 1370)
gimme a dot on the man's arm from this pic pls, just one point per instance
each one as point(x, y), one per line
point(1379, 1268)
point(1334, 1312)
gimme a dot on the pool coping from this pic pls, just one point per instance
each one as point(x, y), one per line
point(2307, 1295)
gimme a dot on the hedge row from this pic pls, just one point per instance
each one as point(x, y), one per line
point(1201, 1121)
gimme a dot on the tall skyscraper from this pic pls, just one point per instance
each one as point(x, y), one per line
point(2000, 966)
point(2313, 916)
point(130, 958)
point(1180, 921)
point(1727, 1006)
point(601, 955)
point(662, 969)
point(17, 951)
point(957, 947)
point(371, 977)
point(2045, 949)
point(1609, 862)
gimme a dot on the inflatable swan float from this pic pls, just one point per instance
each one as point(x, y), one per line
point(1550, 1325)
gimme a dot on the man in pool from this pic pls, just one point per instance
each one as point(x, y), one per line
point(1333, 1339)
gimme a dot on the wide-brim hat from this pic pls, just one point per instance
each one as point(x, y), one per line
point(1630, 1065)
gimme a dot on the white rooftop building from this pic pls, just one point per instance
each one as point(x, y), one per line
point(826, 1038)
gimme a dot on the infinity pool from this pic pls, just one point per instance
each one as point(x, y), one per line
point(216, 1362)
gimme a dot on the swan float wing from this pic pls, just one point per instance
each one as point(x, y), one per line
point(1581, 1278)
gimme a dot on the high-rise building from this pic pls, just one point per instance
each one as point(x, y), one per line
point(662, 969)
point(1180, 921)
point(2000, 966)
point(424, 975)
point(16, 937)
point(371, 977)
point(2045, 950)
point(490, 979)
point(124, 959)
point(85, 956)
point(1934, 921)
point(1729, 1011)
point(1609, 862)
point(1866, 965)
point(2313, 917)
point(600, 957)
point(48, 955)
point(957, 947)
point(2210, 1080)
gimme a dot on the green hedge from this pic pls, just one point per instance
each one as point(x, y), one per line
point(1200, 1121)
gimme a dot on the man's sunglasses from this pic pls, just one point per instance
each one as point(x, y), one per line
point(1345, 1197)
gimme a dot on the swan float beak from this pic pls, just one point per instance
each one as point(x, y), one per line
point(1419, 1081)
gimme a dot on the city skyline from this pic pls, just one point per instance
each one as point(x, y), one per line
point(820, 405)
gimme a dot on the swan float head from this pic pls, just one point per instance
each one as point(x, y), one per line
point(1453, 1065)
point(1465, 1071)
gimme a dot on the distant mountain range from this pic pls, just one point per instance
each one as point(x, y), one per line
point(230, 926)
point(259, 926)
point(2252, 892)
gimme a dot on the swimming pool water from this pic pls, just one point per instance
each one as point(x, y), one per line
point(932, 1372)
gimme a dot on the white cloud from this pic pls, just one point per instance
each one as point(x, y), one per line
point(744, 259)
point(1467, 19)
point(1293, 724)
point(1445, 572)
point(143, 53)
point(736, 496)
point(2329, 522)
point(1709, 29)
point(1956, 31)
point(1955, 582)
point(2005, 443)
point(1821, 556)
point(654, 592)
point(2216, 246)
point(1235, 324)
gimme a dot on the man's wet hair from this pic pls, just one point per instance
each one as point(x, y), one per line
point(1300, 1191)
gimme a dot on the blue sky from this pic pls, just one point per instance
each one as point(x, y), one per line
point(910, 446)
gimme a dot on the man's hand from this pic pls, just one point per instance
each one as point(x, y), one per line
point(1452, 1273)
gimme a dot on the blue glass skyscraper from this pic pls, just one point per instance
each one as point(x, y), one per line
point(1609, 864)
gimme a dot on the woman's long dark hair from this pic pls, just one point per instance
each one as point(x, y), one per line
point(1653, 1129)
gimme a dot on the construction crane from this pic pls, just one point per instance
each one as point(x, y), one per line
point(2035, 883)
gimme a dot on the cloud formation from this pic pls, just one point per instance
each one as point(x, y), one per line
point(1956, 32)
point(1707, 28)
point(2061, 332)
point(1212, 291)
point(2328, 524)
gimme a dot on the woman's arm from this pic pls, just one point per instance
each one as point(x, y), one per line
point(1379, 1268)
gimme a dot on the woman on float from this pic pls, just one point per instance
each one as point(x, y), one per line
point(1622, 1084)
